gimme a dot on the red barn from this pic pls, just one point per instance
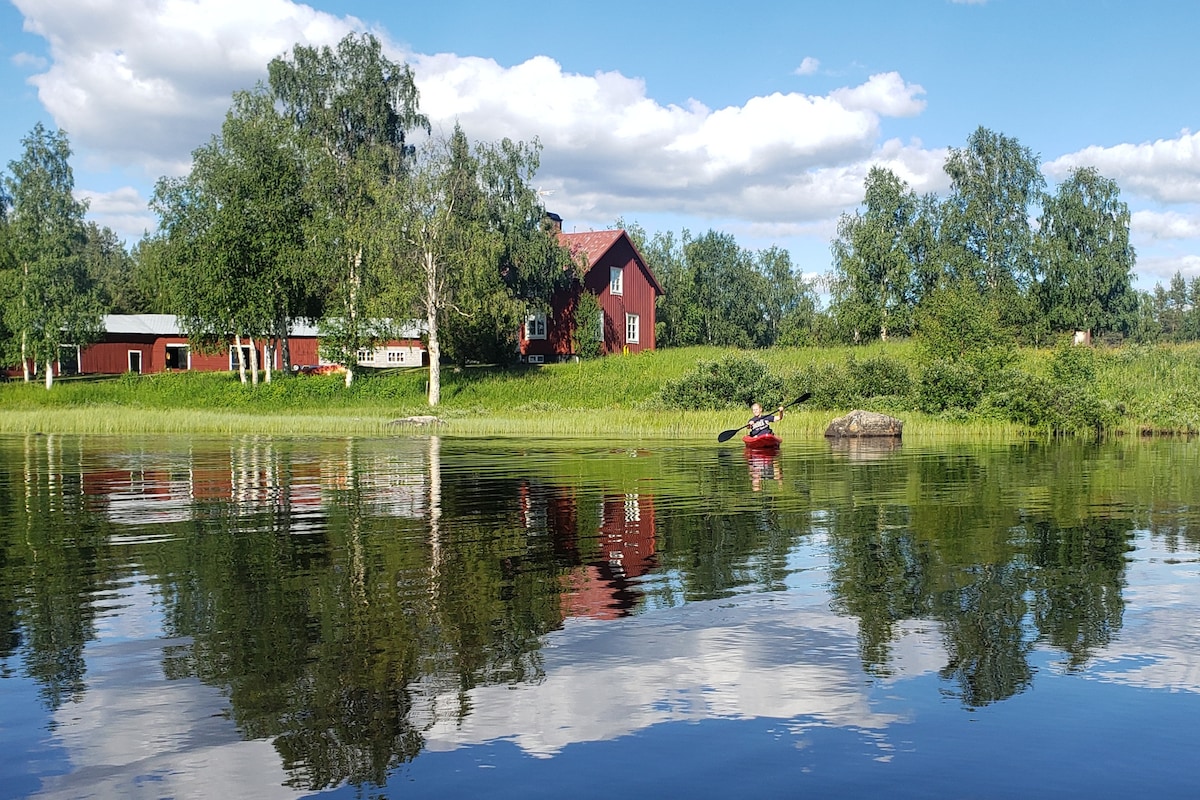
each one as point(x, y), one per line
point(147, 343)
point(623, 284)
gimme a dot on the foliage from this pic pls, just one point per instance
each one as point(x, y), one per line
point(878, 260)
point(353, 110)
point(466, 242)
point(1086, 258)
point(587, 342)
point(233, 230)
point(735, 380)
point(879, 376)
point(48, 300)
point(988, 237)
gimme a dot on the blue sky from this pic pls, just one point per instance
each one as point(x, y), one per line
point(760, 122)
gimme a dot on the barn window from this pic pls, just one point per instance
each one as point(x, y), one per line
point(177, 356)
point(632, 327)
point(616, 280)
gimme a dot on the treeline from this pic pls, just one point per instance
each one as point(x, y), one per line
point(999, 247)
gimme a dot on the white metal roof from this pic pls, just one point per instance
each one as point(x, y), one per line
point(168, 325)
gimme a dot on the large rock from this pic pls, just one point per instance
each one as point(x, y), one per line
point(860, 424)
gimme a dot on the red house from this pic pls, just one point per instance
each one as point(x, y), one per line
point(623, 284)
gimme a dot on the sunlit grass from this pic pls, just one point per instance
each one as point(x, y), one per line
point(1151, 388)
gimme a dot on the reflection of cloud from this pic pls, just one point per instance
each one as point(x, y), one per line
point(1159, 643)
point(758, 657)
point(136, 734)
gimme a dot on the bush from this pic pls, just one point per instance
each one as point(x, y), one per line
point(945, 385)
point(734, 380)
point(830, 385)
point(880, 376)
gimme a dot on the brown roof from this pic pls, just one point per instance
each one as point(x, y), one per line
point(594, 244)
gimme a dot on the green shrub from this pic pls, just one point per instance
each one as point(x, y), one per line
point(830, 384)
point(948, 385)
point(734, 380)
point(879, 376)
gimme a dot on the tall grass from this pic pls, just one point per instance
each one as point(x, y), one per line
point(1153, 389)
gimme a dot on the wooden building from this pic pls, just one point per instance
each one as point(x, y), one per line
point(149, 343)
point(619, 278)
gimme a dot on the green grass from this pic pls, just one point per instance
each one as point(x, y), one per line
point(1153, 388)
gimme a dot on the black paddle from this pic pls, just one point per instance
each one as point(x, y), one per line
point(725, 436)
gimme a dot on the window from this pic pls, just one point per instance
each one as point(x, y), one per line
point(395, 357)
point(632, 327)
point(177, 356)
point(600, 325)
point(233, 356)
point(616, 280)
point(535, 326)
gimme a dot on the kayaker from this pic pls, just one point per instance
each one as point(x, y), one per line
point(760, 423)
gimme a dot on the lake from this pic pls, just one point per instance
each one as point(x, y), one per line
point(259, 617)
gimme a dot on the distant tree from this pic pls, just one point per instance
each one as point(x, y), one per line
point(721, 294)
point(110, 269)
point(788, 301)
point(236, 227)
point(49, 301)
point(874, 259)
point(1085, 256)
point(467, 241)
point(355, 110)
point(986, 232)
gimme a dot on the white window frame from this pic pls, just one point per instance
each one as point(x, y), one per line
point(187, 352)
point(140, 361)
point(616, 280)
point(600, 326)
point(536, 325)
point(78, 358)
point(633, 328)
point(233, 357)
point(365, 357)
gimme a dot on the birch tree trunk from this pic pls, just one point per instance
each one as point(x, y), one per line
point(435, 348)
point(253, 361)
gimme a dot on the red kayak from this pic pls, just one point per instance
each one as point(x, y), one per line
point(768, 441)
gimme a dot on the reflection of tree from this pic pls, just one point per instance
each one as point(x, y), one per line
point(952, 547)
point(1077, 600)
point(985, 639)
point(54, 563)
point(881, 568)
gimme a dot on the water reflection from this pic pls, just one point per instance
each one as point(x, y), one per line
point(357, 603)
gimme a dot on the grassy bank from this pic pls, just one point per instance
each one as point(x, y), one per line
point(1154, 389)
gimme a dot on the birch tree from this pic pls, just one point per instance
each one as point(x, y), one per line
point(355, 110)
point(467, 239)
point(48, 301)
point(1086, 257)
point(235, 227)
point(995, 181)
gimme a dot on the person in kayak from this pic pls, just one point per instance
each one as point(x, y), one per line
point(760, 423)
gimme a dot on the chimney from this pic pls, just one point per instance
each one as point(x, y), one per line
point(553, 222)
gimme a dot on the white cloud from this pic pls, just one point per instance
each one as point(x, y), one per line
point(885, 94)
point(1166, 170)
point(121, 210)
point(145, 81)
point(1165, 225)
point(808, 66)
point(139, 84)
point(28, 61)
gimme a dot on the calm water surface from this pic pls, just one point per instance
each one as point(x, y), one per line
point(400, 618)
